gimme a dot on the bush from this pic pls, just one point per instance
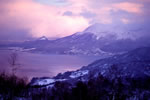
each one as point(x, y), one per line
point(11, 86)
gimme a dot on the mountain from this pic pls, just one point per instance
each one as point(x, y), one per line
point(120, 30)
point(133, 64)
point(120, 77)
point(97, 39)
point(43, 38)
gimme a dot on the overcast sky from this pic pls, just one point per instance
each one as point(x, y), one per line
point(23, 19)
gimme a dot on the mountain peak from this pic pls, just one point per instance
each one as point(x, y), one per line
point(121, 31)
point(43, 38)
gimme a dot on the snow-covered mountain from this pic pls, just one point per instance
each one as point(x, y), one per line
point(121, 31)
point(134, 64)
point(43, 38)
point(97, 39)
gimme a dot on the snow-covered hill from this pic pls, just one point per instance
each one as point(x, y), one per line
point(134, 64)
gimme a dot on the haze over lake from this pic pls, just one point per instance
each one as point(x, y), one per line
point(44, 65)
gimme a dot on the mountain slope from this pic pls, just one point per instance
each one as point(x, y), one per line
point(97, 39)
point(134, 64)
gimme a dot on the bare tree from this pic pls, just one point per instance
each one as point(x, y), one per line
point(13, 62)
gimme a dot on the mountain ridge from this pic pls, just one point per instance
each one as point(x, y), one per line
point(134, 64)
point(89, 42)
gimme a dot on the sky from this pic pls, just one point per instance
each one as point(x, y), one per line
point(26, 19)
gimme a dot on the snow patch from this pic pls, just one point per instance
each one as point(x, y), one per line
point(147, 73)
point(46, 81)
point(28, 49)
point(43, 38)
point(79, 74)
point(43, 81)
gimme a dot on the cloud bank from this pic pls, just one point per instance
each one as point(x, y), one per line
point(25, 19)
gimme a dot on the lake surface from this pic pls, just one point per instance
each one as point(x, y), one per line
point(44, 65)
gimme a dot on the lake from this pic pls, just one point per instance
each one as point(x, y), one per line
point(44, 65)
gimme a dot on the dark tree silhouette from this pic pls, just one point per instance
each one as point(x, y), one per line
point(13, 62)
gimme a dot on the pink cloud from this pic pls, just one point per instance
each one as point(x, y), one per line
point(40, 19)
point(125, 21)
point(129, 7)
point(103, 9)
point(49, 20)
